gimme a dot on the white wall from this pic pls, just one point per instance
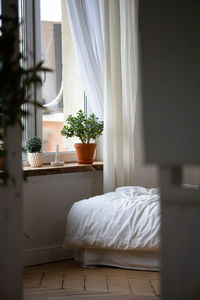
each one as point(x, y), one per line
point(145, 175)
point(47, 199)
point(73, 91)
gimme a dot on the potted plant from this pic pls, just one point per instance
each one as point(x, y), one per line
point(86, 129)
point(35, 156)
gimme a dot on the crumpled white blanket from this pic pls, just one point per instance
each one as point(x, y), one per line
point(126, 219)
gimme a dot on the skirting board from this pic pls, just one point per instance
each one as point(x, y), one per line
point(46, 254)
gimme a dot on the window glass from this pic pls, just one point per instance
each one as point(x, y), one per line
point(51, 54)
point(62, 91)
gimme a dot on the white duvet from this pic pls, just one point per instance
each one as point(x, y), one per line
point(126, 219)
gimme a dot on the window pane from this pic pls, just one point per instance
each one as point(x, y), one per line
point(51, 54)
point(59, 101)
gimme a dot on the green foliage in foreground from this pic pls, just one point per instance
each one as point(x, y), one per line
point(83, 127)
point(16, 82)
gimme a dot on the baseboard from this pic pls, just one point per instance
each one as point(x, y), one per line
point(46, 254)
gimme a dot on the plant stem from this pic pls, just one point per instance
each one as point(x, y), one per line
point(82, 140)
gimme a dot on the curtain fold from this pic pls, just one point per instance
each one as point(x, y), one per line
point(119, 20)
point(105, 38)
point(85, 25)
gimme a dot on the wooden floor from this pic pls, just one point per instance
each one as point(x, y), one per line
point(67, 280)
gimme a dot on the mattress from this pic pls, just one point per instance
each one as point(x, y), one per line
point(139, 260)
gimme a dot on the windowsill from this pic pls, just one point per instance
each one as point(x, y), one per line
point(67, 168)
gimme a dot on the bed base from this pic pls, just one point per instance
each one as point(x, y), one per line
point(139, 260)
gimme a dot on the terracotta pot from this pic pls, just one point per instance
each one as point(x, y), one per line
point(85, 152)
point(35, 160)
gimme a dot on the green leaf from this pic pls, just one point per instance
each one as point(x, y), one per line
point(83, 127)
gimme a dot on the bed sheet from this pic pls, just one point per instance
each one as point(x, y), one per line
point(139, 260)
point(126, 219)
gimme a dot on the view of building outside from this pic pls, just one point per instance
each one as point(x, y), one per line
point(62, 90)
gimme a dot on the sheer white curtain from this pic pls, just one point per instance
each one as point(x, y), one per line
point(85, 23)
point(48, 55)
point(119, 23)
point(105, 38)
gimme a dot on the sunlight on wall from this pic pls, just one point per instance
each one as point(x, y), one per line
point(73, 93)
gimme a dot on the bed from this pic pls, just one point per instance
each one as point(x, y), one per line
point(117, 229)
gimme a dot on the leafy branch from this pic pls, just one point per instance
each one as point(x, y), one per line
point(16, 82)
point(83, 127)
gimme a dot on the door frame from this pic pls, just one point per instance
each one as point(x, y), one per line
point(11, 206)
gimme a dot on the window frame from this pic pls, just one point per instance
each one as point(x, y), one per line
point(33, 53)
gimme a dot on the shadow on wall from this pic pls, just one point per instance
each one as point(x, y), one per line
point(57, 232)
point(145, 175)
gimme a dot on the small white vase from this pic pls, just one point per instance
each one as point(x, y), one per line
point(35, 160)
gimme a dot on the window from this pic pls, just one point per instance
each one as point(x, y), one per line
point(48, 37)
point(52, 89)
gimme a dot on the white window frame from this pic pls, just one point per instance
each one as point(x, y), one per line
point(33, 50)
point(33, 44)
